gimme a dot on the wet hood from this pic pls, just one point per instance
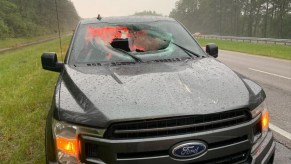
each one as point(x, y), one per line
point(100, 95)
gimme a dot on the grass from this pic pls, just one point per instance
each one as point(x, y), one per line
point(25, 96)
point(13, 42)
point(270, 50)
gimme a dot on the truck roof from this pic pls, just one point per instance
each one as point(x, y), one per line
point(124, 19)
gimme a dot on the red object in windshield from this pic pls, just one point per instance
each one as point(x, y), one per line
point(107, 34)
point(140, 40)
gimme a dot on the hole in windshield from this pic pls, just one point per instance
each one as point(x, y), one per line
point(130, 39)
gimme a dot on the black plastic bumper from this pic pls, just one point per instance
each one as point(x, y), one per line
point(265, 151)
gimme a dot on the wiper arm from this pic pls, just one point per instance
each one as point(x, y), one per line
point(137, 59)
point(186, 50)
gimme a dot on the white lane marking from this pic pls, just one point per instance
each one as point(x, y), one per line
point(280, 131)
point(270, 73)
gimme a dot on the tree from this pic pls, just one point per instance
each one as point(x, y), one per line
point(4, 30)
point(257, 18)
point(21, 18)
point(148, 13)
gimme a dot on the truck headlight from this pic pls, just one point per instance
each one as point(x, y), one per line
point(67, 141)
point(263, 110)
point(262, 127)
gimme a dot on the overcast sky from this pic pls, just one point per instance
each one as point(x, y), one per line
point(91, 8)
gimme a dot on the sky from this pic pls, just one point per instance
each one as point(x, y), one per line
point(91, 8)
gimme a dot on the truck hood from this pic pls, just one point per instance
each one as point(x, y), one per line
point(100, 95)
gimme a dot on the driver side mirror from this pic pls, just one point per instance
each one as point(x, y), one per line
point(50, 62)
point(212, 50)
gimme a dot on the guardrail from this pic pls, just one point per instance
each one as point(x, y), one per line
point(247, 39)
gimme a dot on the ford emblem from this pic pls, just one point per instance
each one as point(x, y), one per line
point(188, 150)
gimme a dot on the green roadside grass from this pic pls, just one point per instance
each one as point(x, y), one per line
point(14, 42)
point(270, 50)
point(25, 96)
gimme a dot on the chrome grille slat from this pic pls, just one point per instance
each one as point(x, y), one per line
point(176, 125)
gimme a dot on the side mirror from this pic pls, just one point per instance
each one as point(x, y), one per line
point(212, 49)
point(50, 62)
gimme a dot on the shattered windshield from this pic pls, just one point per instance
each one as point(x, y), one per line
point(130, 42)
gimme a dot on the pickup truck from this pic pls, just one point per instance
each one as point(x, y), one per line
point(142, 90)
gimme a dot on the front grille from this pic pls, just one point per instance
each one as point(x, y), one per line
point(176, 125)
point(148, 154)
point(91, 149)
point(238, 158)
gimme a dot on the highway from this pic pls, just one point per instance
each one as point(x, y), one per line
point(274, 75)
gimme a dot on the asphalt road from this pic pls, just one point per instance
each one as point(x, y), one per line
point(274, 75)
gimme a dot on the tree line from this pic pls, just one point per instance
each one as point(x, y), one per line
point(250, 18)
point(147, 13)
point(23, 18)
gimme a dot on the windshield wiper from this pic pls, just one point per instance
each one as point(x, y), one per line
point(137, 59)
point(189, 52)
